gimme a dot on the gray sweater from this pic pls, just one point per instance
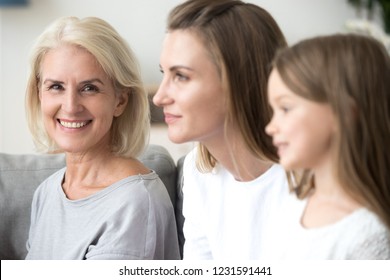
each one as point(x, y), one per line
point(131, 219)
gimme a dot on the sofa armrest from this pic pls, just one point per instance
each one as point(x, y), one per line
point(20, 175)
point(158, 159)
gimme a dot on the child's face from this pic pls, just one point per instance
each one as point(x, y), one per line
point(302, 130)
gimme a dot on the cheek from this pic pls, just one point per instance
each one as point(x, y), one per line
point(106, 116)
point(307, 135)
point(210, 115)
point(311, 146)
point(291, 130)
point(48, 106)
point(297, 136)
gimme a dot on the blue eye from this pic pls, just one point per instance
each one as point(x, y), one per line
point(89, 88)
point(55, 87)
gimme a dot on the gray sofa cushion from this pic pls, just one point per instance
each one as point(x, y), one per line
point(179, 204)
point(20, 175)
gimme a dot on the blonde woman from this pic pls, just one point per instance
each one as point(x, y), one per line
point(85, 98)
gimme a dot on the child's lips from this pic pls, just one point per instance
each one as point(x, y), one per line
point(281, 147)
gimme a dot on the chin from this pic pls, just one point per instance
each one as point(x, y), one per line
point(287, 165)
point(177, 138)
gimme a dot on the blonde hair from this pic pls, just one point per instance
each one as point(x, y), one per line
point(242, 39)
point(130, 130)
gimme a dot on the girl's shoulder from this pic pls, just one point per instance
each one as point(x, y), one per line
point(371, 238)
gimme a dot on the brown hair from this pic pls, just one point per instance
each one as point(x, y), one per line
point(351, 73)
point(242, 39)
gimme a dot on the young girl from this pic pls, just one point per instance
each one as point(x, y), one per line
point(331, 126)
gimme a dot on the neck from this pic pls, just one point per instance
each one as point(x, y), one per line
point(87, 173)
point(329, 188)
point(233, 155)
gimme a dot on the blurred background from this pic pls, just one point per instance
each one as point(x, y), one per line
point(142, 24)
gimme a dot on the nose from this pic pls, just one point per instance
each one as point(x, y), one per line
point(270, 128)
point(162, 96)
point(72, 102)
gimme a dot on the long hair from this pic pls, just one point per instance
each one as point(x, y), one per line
point(351, 73)
point(129, 131)
point(242, 39)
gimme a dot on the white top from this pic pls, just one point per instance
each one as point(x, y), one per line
point(224, 218)
point(360, 235)
point(131, 219)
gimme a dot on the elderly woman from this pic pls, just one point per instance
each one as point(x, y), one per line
point(85, 98)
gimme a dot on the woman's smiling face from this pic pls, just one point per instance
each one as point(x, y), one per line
point(78, 100)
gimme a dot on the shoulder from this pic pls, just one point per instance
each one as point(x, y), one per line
point(50, 183)
point(144, 191)
point(190, 161)
point(190, 169)
point(373, 240)
point(274, 183)
point(55, 177)
point(275, 175)
point(140, 184)
point(120, 167)
point(191, 174)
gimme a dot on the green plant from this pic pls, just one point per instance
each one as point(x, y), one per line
point(369, 5)
point(386, 14)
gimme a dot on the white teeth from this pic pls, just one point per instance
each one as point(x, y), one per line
point(73, 124)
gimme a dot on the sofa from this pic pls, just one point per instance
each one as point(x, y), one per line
point(20, 175)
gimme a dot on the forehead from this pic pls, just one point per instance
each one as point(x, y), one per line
point(184, 46)
point(276, 86)
point(70, 59)
point(65, 51)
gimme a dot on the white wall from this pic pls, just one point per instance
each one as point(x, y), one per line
point(142, 23)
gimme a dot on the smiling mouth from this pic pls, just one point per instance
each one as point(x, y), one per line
point(73, 124)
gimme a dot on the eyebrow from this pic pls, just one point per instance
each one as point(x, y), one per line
point(282, 96)
point(91, 81)
point(176, 67)
point(52, 81)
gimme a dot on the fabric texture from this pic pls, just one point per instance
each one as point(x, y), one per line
point(224, 218)
point(358, 236)
point(131, 219)
point(21, 174)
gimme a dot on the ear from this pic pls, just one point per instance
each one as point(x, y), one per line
point(122, 100)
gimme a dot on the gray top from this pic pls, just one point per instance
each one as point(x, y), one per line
point(131, 219)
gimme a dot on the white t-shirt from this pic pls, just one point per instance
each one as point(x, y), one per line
point(360, 235)
point(225, 218)
point(261, 219)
